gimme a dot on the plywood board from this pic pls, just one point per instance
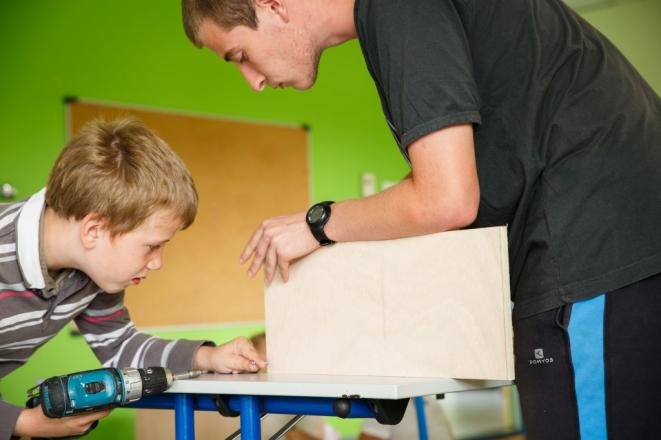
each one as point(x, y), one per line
point(429, 306)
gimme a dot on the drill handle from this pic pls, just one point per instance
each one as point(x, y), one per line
point(34, 401)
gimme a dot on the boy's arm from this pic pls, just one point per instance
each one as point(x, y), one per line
point(8, 415)
point(109, 331)
point(34, 424)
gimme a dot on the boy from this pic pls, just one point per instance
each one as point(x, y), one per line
point(116, 195)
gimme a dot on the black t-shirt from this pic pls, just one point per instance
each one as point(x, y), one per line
point(567, 133)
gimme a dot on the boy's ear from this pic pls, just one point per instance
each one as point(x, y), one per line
point(92, 228)
point(276, 6)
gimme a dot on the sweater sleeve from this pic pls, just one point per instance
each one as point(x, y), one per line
point(8, 415)
point(116, 342)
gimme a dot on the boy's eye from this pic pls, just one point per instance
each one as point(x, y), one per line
point(153, 247)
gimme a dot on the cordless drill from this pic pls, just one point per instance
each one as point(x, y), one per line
point(96, 390)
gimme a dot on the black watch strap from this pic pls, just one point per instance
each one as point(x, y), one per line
point(316, 218)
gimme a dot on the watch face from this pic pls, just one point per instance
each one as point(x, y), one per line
point(315, 214)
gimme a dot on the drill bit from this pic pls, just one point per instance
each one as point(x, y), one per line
point(192, 374)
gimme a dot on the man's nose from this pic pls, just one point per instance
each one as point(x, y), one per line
point(256, 80)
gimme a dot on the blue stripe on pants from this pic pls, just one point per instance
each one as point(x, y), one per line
point(586, 339)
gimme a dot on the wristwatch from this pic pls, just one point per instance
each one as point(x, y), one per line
point(316, 218)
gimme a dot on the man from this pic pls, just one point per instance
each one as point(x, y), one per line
point(512, 112)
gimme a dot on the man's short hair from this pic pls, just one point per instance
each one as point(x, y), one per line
point(122, 172)
point(225, 13)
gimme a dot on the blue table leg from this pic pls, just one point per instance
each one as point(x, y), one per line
point(422, 420)
point(184, 417)
point(250, 420)
point(249, 407)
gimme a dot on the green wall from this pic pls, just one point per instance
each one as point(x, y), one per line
point(135, 52)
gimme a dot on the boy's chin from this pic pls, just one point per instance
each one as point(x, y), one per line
point(111, 288)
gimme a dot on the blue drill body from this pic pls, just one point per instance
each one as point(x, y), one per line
point(84, 391)
point(96, 390)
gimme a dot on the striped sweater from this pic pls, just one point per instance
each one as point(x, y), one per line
point(34, 307)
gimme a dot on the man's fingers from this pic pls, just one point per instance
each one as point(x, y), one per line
point(270, 264)
point(252, 245)
point(279, 238)
point(258, 259)
point(283, 266)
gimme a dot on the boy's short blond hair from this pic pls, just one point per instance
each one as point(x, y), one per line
point(124, 173)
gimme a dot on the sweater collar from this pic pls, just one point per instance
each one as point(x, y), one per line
point(28, 232)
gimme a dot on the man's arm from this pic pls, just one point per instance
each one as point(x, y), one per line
point(441, 193)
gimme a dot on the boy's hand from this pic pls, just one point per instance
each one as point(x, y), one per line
point(236, 356)
point(33, 423)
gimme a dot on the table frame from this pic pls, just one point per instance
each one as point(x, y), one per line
point(223, 394)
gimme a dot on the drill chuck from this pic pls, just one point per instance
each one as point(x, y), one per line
point(154, 380)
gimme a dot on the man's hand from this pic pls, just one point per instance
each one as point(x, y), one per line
point(33, 423)
point(277, 242)
point(236, 356)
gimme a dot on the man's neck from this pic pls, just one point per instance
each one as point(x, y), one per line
point(337, 20)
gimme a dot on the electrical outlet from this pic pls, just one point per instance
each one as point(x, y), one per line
point(368, 184)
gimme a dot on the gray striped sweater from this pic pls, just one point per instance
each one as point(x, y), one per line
point(34, 307)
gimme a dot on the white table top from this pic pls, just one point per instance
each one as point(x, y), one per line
point(300, 385)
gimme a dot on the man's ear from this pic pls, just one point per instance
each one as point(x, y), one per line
point(92, 228)
point(276, 6)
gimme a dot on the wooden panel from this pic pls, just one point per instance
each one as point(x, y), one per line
point(431, 306)
point(244, 173)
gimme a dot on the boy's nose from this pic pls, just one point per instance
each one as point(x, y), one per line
point(155, 262)
point(255, 79)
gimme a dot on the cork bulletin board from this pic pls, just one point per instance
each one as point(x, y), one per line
point(244, 173)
